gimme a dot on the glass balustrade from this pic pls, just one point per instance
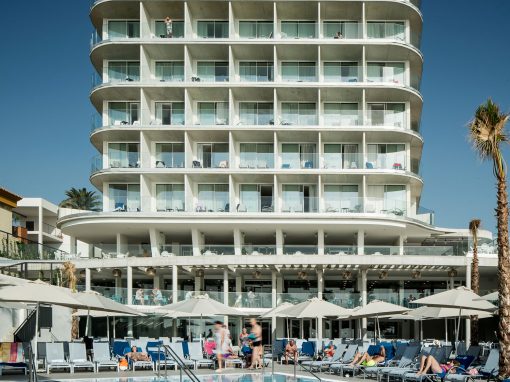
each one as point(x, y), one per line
point(169, 250)
point(300, 250)
point(340, 250)
point(217, 250)
point(345, 299)
point(259, 300)
point(257, 249)
point(294, 297)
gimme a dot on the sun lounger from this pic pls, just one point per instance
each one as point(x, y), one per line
point(197, 355)
point(55, 358)
point(348, 356)
point(326, 363)
point(405, 362)
point(102, 356)
point(156, 350)
point(353, 369)
point(78, 357)
point(488, 371)
point(179, 352)
point(464, 361)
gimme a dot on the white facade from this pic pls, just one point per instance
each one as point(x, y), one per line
point(267, 146)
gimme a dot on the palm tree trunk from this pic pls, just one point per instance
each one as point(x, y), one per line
point(75, 332)
point(475, 286)
point(504, 279)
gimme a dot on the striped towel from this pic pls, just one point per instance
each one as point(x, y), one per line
point(11, 352)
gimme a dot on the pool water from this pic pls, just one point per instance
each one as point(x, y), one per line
point(254, 377)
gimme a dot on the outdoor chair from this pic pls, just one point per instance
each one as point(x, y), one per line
point(372, 350)
point(55, 358)
point(138, 364)
point(436, 352)
point(488, 371)
point(156, 350)
point(325, 363)
point(464, 361)
point(307, 352)
point(78, 357)
point(102, 356)
point(410, 353)
point(12, 357)
point(197, 355)
point(348, 356)
point(179, 352)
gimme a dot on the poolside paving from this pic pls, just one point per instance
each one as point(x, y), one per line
point(143, 373)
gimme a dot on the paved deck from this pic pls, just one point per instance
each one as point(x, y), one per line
point(139, 373)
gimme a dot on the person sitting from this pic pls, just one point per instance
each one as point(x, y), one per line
point(135, 355)
point(428, 363)
point(291, 352)
point(157, 296)
point(329, 350)
point(367, 360)
point(140, 296)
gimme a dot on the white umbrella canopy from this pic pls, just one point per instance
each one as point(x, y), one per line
point(494, 296)
point(277, 312)
point(100, 314)
point(200, 306)
point(96, 302)
point(459, 298)
point(378, 308)
point(438, 312)
point(38, 292)
point(314, 308)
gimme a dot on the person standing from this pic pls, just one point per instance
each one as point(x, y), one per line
point(169, 28)
point(221, 344)
point(256, 335)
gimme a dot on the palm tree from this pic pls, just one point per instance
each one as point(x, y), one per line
point(474, 225)
point(487, 132)
point(69, 279)
point(81, 199)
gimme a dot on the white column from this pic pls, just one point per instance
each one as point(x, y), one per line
point(129, 285)
point(40, 232)
point(156, 281)
point(175, 274)
point(273, 288)
point(320, 241)
point(238, 242)
point(87, 279)
point(197, 240)
point(361, 242)
point(122, 246)
point(225, 286)
point(156, 242)
point(320, 283)
point(225, 293)
point(363, 288)
point(401, 241)
point(279, 242)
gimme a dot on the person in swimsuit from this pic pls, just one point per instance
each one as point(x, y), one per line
point(366, 360)
point(291, 352)
point(134, 355)
point(428, 363)
point(256, 334)
point(221, 344)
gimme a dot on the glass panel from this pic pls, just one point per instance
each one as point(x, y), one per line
point(247, 113)
point(292, 198)
point(117, 29)
point(212, 29)
point(207, 113)
point(177, 29)
point(332, 156)
point(250, 197)
point(170, 71)
point(290, 155)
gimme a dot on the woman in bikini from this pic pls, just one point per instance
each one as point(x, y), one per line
point(366, 360)
point(256, 334)
point(429, 364)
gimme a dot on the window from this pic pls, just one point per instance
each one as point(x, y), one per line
point(123, 113)
point(169, 71)
point(387, 114)
point(341, 71)
point(342, 29)
point(386, 72)
point(170, 197)
point(299, 71)
point(212, 29)
point(299, 155)
point(256, 198)
point(341, 198)
point(213, 155)
point(124, 197)
point(341, 156)
point(255, 29)
point(387, 199)
point(177, 29)
point(169, 113)
point(388, 29)
point(123, 29)
point(119, 71)
point(256, 71)
point(299, 198)
point(122, 155)
point(298, 29)
point(298, 113)
point(211, 71)
point(213, 113)
point(213, 198)
point(170, 155)
point(256, 113)
point(341, 114)
point(386, 156)
point(256, 155)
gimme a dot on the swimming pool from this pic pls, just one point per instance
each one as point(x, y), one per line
point(247, 377)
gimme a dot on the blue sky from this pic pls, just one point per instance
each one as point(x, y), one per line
point(47, 76)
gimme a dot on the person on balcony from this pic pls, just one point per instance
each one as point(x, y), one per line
point(169, 27)
point(157, 297)
point(140, 296)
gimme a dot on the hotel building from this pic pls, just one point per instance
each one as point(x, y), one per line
point(262, 152)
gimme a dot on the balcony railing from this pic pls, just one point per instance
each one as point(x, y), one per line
point(52, 230)
point(299, 160)
point(217, 250)
point(345, 299)
point(256, 160)
point(300, 250)
point(340, 250)
point(259, 300)
point(256, 250)
point(169, 250)
point(18, 248)
point(308, 204)
point(112, 251)
point(260, 204)
point(294, 297)
point(342, 73)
